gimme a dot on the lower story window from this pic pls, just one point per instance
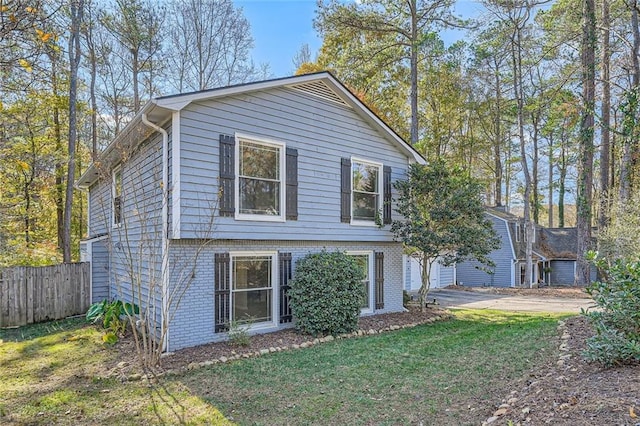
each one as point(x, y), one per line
point(364, 259)
point(252, 280)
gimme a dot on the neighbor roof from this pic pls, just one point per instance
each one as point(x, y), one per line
point(322, 84)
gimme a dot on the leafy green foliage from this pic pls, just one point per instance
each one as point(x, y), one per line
point(443, 216)
point(617, 321)
point(621, 237)
point(114, 316)
point(327, 293)
point(239, 333)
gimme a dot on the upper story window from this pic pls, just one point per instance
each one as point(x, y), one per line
point(116, 193)
point(260, 180)
point(366, 197)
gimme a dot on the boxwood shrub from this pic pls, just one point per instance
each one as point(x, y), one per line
point(327, 293)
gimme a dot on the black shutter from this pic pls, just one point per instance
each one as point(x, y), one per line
point(379, 274)
point(292, 184)
point(386, 199)
point(227, 175)
point(345, 200)
point(222, 294)
point(285, 276)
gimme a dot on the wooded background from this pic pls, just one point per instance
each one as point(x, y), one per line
point(539, 99)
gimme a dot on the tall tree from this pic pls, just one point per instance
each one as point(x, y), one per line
point(585, 179)
point(393, 29)
point(76, 12)
point(211, 40)
point(605, 108)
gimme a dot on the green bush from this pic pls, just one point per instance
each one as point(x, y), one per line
point(114, 316)
point(327, 293)
point(617, 321)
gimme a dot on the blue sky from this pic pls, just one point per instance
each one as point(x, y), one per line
point(281, 27)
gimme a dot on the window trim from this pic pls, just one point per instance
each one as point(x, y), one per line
point(283, 174)
point(275, 287)
point(371, 268)
point(380, 201)
point(116, 170)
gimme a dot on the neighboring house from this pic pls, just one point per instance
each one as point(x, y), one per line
point(441, 276)
point(554, 255)
point(211, 197)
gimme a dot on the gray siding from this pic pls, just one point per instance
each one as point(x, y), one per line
point(136, 244)
point(563, 271)
point(468, 274)
point(99, 271)
point(323, 132)
point(447, 275)
point(100, 208)
point(193, 321)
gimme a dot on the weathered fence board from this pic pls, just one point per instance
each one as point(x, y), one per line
point(35, 294)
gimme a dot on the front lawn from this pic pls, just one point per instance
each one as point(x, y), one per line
point(451, 372)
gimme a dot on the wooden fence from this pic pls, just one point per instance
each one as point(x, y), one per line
point(33, 294)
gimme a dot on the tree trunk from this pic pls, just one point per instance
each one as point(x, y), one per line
point(550, 182)
point(497, 154)
point(535, 198)
point(414, 73)
point(77, 10)
point(605, 144)
point(59, 167)
point(585, 174)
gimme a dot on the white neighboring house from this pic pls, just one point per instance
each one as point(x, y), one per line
point(441, 276)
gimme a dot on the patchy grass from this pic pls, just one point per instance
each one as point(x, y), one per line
point(52, 373)
point(444, 373)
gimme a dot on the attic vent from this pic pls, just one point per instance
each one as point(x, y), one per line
point(321, 90)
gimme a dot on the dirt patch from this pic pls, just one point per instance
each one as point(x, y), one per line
point(560, 292)
point(569, 391)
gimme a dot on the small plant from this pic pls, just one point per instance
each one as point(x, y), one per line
point(327, 293)
point(114, 316)
point(617, 321)
point(239, 333)
point(406, 298)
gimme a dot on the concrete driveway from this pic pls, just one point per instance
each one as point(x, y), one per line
point(475, 300)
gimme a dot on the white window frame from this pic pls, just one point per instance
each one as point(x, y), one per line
point(369, 253)
point(380, 191)
point(114, 172)
point(517, 232)
point(283, 174)
point(275, 286)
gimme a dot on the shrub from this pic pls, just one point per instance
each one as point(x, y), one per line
point(239, 333)
point(114, 316)
point(617, 322)
point(327, 293)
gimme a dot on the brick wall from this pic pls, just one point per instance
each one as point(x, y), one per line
point(192, 281)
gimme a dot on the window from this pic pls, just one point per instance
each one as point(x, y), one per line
point(252, 280)
point(365, 261)
point(116, 191)
point(366, 181)
point(260, 181)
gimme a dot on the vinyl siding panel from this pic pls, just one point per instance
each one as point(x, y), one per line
point(323, 132)
point(468, 274)
point(192, 279)
point(100, 208)
point(99, 271)
point(136, 251)
point(447, 275)
point(563, 272)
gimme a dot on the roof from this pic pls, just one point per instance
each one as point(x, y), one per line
point(322, 84)
point(559, 243)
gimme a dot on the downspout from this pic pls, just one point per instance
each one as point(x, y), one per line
point(165, 225)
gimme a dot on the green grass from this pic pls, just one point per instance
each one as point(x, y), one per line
point(53, 373)
point(444, 373)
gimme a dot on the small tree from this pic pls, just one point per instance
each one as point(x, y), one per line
point(443, 216)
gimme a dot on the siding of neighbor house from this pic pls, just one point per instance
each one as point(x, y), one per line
point(563, 272)
point(469, 275)
point(193, 322)
point(136, 244)
point(322, 131)
point(447, 275)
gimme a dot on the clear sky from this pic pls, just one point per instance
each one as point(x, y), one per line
point(281, 27)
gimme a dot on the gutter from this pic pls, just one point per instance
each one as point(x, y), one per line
point(165, 224)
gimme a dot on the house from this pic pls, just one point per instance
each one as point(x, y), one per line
point(200, 208)
point(554, 255)
point(440, 276)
